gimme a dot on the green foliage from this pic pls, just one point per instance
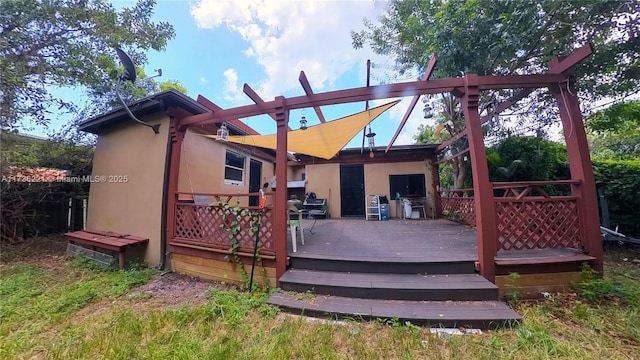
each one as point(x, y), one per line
point(25, 151)
point(425, 135)
point(234, 215)
point(173, 84)
point(240, 325)
point(527, 159)
point(614, 133)
point(506, 37)
point(42, 299)
point(67, 43)
point(619, 180)
point(598, 289)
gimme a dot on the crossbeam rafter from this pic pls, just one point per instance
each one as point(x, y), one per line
point(307, 90)
point(427, 74)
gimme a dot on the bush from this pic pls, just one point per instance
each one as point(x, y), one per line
point(619, 181)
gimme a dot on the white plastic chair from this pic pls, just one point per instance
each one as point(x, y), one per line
point(295, 224)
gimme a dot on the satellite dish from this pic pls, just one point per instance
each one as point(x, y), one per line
point(129, 74)
point(129, 67)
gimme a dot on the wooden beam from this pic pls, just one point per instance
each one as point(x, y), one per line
point(384, 91)
point(581, 169)
point(453, 156)
point(560, 65)
point(425, 77)
point(500, 108)
point(258, 100)
point(307, 90)
point(255, 98)
point(280, 216)
point(483, 191)
point(452, 140)
point(215, 108)
point(387, 91)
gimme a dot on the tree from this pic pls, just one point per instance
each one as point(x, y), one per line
point(527, 158)
point(614, 133)
point(103, 97)
point(506, 37)
point(46, 43)
point(449, 120)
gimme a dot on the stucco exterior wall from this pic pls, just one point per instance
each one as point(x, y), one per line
point(324, 180)
point(376, 180)
point(132, 205)
point(202, 167)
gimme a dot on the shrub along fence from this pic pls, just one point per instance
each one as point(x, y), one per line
point(619, 181)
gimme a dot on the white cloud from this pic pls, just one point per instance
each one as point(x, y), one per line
point(285, 37)
point(203, 80)
point(231, 90)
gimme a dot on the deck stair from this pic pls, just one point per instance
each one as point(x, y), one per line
point(436, 293)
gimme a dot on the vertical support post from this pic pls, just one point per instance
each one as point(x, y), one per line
point(483, 190)
point(176, 137)
point(435, 175)
point(280, 202)
point(581, 169)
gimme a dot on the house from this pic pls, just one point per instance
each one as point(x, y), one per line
point(194, 197)
point(135, 164)
point(137, 167)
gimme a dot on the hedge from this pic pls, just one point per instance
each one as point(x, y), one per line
point(619, 180)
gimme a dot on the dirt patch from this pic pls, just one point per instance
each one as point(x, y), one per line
point(172, 290)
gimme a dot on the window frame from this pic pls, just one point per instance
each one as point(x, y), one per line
point(407, 179)
point(230, 166)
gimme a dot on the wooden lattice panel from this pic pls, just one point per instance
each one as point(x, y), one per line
point(531, 224)
point(210, 225)
point(460, 209)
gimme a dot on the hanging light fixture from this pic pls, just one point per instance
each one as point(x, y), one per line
point(223, 133)
point(303, 121)
point(371, 135)
point(428, 111)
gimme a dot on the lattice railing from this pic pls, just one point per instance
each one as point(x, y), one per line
point(208, 225)
point(527, 217)
point(456, 206)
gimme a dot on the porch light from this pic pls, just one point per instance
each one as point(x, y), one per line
point(223, 133)
point(427, 110)
point(303, 123)
point(370, 136)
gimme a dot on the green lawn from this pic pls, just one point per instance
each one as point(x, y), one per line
point(53, 308)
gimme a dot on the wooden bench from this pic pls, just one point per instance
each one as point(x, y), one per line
point(106, 240)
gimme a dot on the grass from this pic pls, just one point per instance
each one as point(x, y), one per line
point(74, 311)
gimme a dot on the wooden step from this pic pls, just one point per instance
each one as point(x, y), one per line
point(474, 314)
point(381, 265)
point(390, 286)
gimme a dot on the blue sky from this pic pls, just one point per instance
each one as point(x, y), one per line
point(220, 45)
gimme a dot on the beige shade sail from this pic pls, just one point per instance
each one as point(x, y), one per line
point(322, 140)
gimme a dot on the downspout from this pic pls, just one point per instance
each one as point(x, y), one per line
point(165, 202)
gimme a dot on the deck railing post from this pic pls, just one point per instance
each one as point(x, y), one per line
point(437, 200)
point(482, 188)
point(581, 168)
point(280, 201)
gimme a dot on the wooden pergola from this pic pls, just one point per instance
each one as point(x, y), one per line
point(557, 79)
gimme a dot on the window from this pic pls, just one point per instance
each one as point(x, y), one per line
point(234, 168)
point(406, 185)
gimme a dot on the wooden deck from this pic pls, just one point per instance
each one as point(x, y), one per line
point(422, 271)
point(386, 241)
